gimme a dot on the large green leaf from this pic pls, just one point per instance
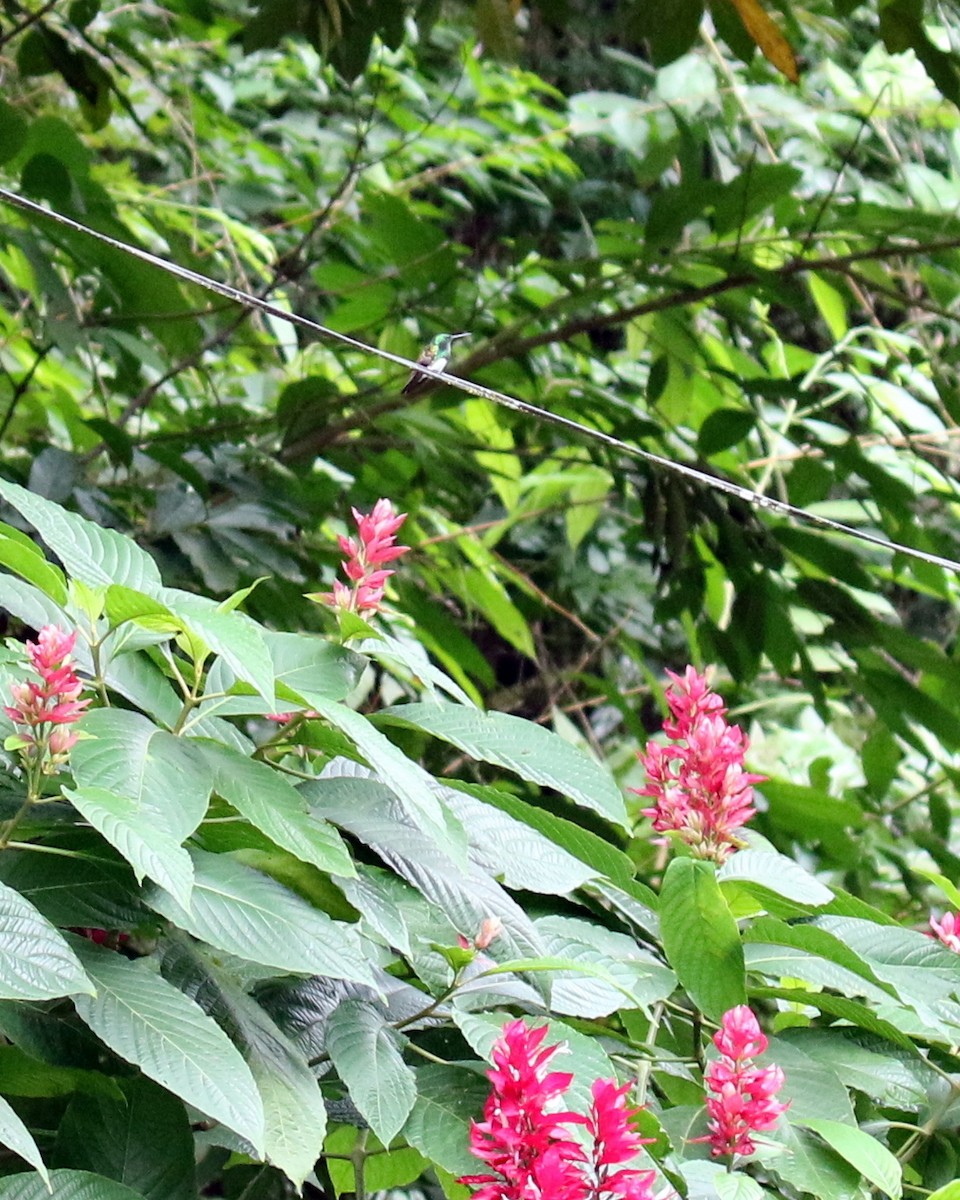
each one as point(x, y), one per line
point(146, 1021)
point(18, 1138)
point(140, 1137)
point(873, 1160)
point(775, 873)
point(467, 895)
point(448, 1099)
point(95, 556)
point(90, 885)
point(515, 851)
point(533, 752)
point(814, 1168)
point(249, 914)
point(130, 827)
point(29, 604)
point(412, 785)
point(273, 805)
point(639, 974)
point(700, 937)
point(294, 1112)
point(65, 1185)
point(166, 776)
point(232, 635)
point(595, 851)
point(35, 961)
point(368, 1055)
point(24, 557)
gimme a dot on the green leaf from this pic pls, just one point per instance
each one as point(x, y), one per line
point(93, 555)
point(141, 1138)
point(17, 1137)
point(252, 916)
point(31, 564)
point(448, 1099)
point(700, 937)
point(949, 1191)
point(466, 894)
point(232, 635)
point(275, 807)
point(129, 826)
point(65, 1185)
point(596, 852)
point(812, 1088)
point(725, 427)
point(775, 873)
point(313, 664)
point(146, 1021)
point(406, 779)
point(851, 1011)
point(632, 974)
point(294, 1112)
point(368, 1055)
point(518, 853)
point(534, 753)
point(35, 961)
point(93, 886)
point(166, 776)
point(814, 1168)
point(29, 604)
point(861, 1151)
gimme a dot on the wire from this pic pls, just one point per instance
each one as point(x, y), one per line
point(767, 503)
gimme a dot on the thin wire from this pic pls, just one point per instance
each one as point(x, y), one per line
point(755, 499)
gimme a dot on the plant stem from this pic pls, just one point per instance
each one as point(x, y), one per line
point(9, 826)
point(359, 1158)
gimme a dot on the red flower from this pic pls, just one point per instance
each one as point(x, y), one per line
point(743, 1102)
point(524, 1142)
point(700, 787)
point(365, 559)
point(45, 708)
point(614, 1142)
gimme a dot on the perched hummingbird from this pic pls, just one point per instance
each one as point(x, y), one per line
point(433, 359)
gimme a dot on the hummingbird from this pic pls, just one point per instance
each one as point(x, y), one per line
point(433, 359)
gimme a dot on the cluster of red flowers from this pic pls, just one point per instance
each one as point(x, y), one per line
point(366, 558)
point(743, 1102)
point(45, 709)
point(529, 1149)
point(699, 786)
point(947, 930)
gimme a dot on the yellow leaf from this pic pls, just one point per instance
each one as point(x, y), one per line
point(766, 34)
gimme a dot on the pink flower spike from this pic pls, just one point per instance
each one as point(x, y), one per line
point(743, 1101)
point(366, 556)
point(45, 708)
point(522, 1137)
point(698, 783)
point(947, 930)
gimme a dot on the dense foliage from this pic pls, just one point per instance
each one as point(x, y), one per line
point(280, 862)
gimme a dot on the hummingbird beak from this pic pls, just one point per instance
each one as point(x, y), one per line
point(453, 336)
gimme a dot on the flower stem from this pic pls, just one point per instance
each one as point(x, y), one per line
point(8, 827)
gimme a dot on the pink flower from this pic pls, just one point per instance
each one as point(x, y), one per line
point(45, 708)
point(615, 1142)
point(523, 1140)
point(947, 930)
point(743, 1102)
point(366, 556)
point(699, 787)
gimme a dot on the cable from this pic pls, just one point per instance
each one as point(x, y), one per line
point(755, 499)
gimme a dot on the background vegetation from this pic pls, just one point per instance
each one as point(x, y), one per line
point(649, 230)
